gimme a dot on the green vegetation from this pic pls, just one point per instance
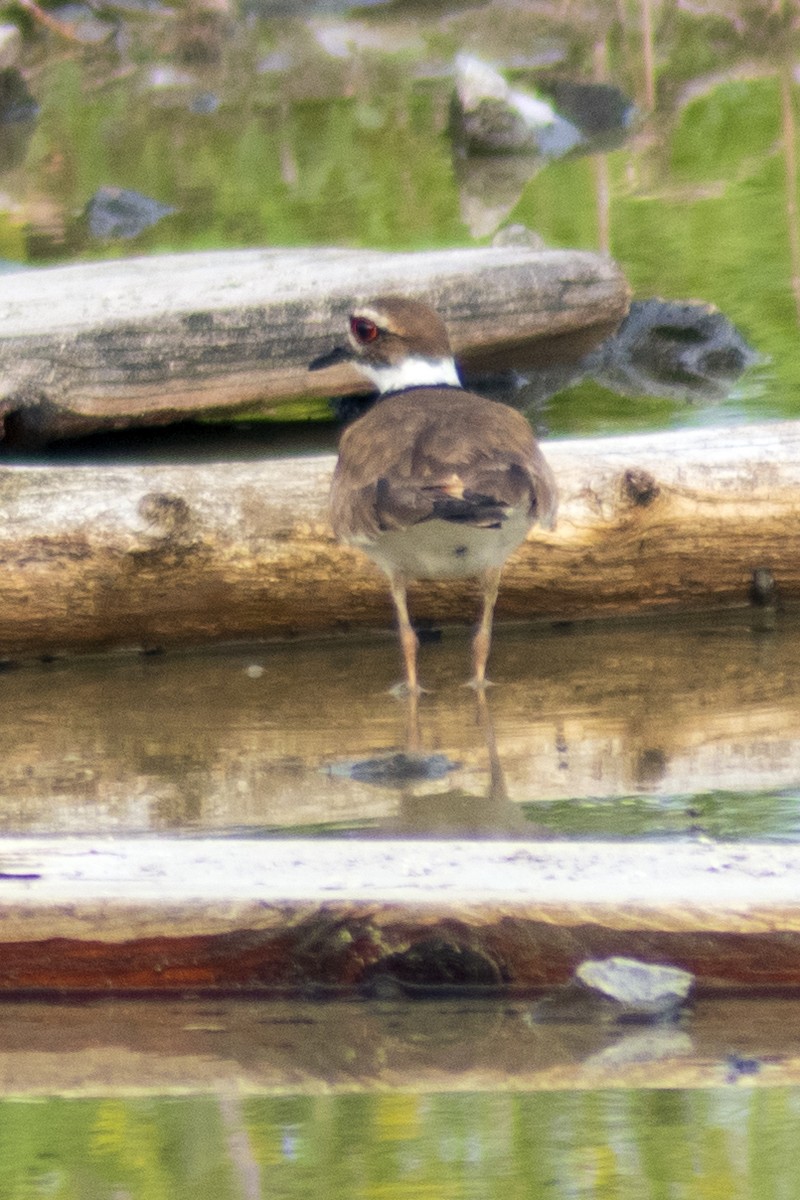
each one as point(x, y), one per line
point(148, 1149)
point(698, 208)
point(731, 1143)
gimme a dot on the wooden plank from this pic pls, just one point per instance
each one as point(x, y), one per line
point(151, 914)
point(152, 340)
point(164, 555)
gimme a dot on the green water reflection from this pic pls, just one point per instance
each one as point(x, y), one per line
point(720, 815)
point(257, 172)
point(734, 1143)
point(723, 816)
point(305, 143)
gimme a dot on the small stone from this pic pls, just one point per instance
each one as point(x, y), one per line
point(490, 117)
point(394, 770)
point(618, 989)
point(17, 105)
point(635, 984)
point(10, 46)
point(121, 213)
point(254, 671)
point(519, 235)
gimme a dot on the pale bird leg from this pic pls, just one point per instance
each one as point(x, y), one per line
point(482, 641)
point(497, 782)
point(408, 639)
point(413, 733)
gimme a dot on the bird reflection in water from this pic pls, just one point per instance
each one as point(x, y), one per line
point(456, 812)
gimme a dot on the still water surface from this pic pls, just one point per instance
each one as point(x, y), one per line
point(232, 1099)
point(684, 727)
point(265, 129)
point(729, 1143)
point(301, 126)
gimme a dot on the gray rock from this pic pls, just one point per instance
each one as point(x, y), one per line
point(491, 117)
point(519, 235)
point(618, 989)
point(10, 46)
point(635, 984)
point(122, 213)
point(683, 350)
point(394, 770)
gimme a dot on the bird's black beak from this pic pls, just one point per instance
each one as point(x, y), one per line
point(337, 355)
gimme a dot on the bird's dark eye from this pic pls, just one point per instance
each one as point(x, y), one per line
point(363, 329)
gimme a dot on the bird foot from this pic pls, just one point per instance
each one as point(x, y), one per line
point(403, 689)
point(479, 685)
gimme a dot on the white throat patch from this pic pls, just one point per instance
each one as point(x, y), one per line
point(412, 372)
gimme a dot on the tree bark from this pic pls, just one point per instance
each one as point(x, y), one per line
point(154, 914)
point(152, 340)
point(165, 555)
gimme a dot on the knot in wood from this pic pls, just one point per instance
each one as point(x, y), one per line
point(639, 487)
point(170, 513)
point(172, 533)
point(763, 591)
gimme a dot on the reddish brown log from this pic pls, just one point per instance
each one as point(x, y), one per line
point(154, 915)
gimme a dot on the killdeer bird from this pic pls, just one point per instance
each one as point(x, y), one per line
point(433, 482)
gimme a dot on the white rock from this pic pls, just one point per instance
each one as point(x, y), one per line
point(10, 45)
point(630, 981)
point(476, 82)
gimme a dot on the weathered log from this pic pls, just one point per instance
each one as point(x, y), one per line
point(162, 555)
point(152, 340)
point(163, 915)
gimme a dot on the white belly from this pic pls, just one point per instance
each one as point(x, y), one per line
point(443, 550)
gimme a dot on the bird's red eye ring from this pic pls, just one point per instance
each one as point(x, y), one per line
point(363, 330)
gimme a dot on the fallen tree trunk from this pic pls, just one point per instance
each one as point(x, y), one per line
point(157, 914)
point(148, 341)
point(164, 555)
